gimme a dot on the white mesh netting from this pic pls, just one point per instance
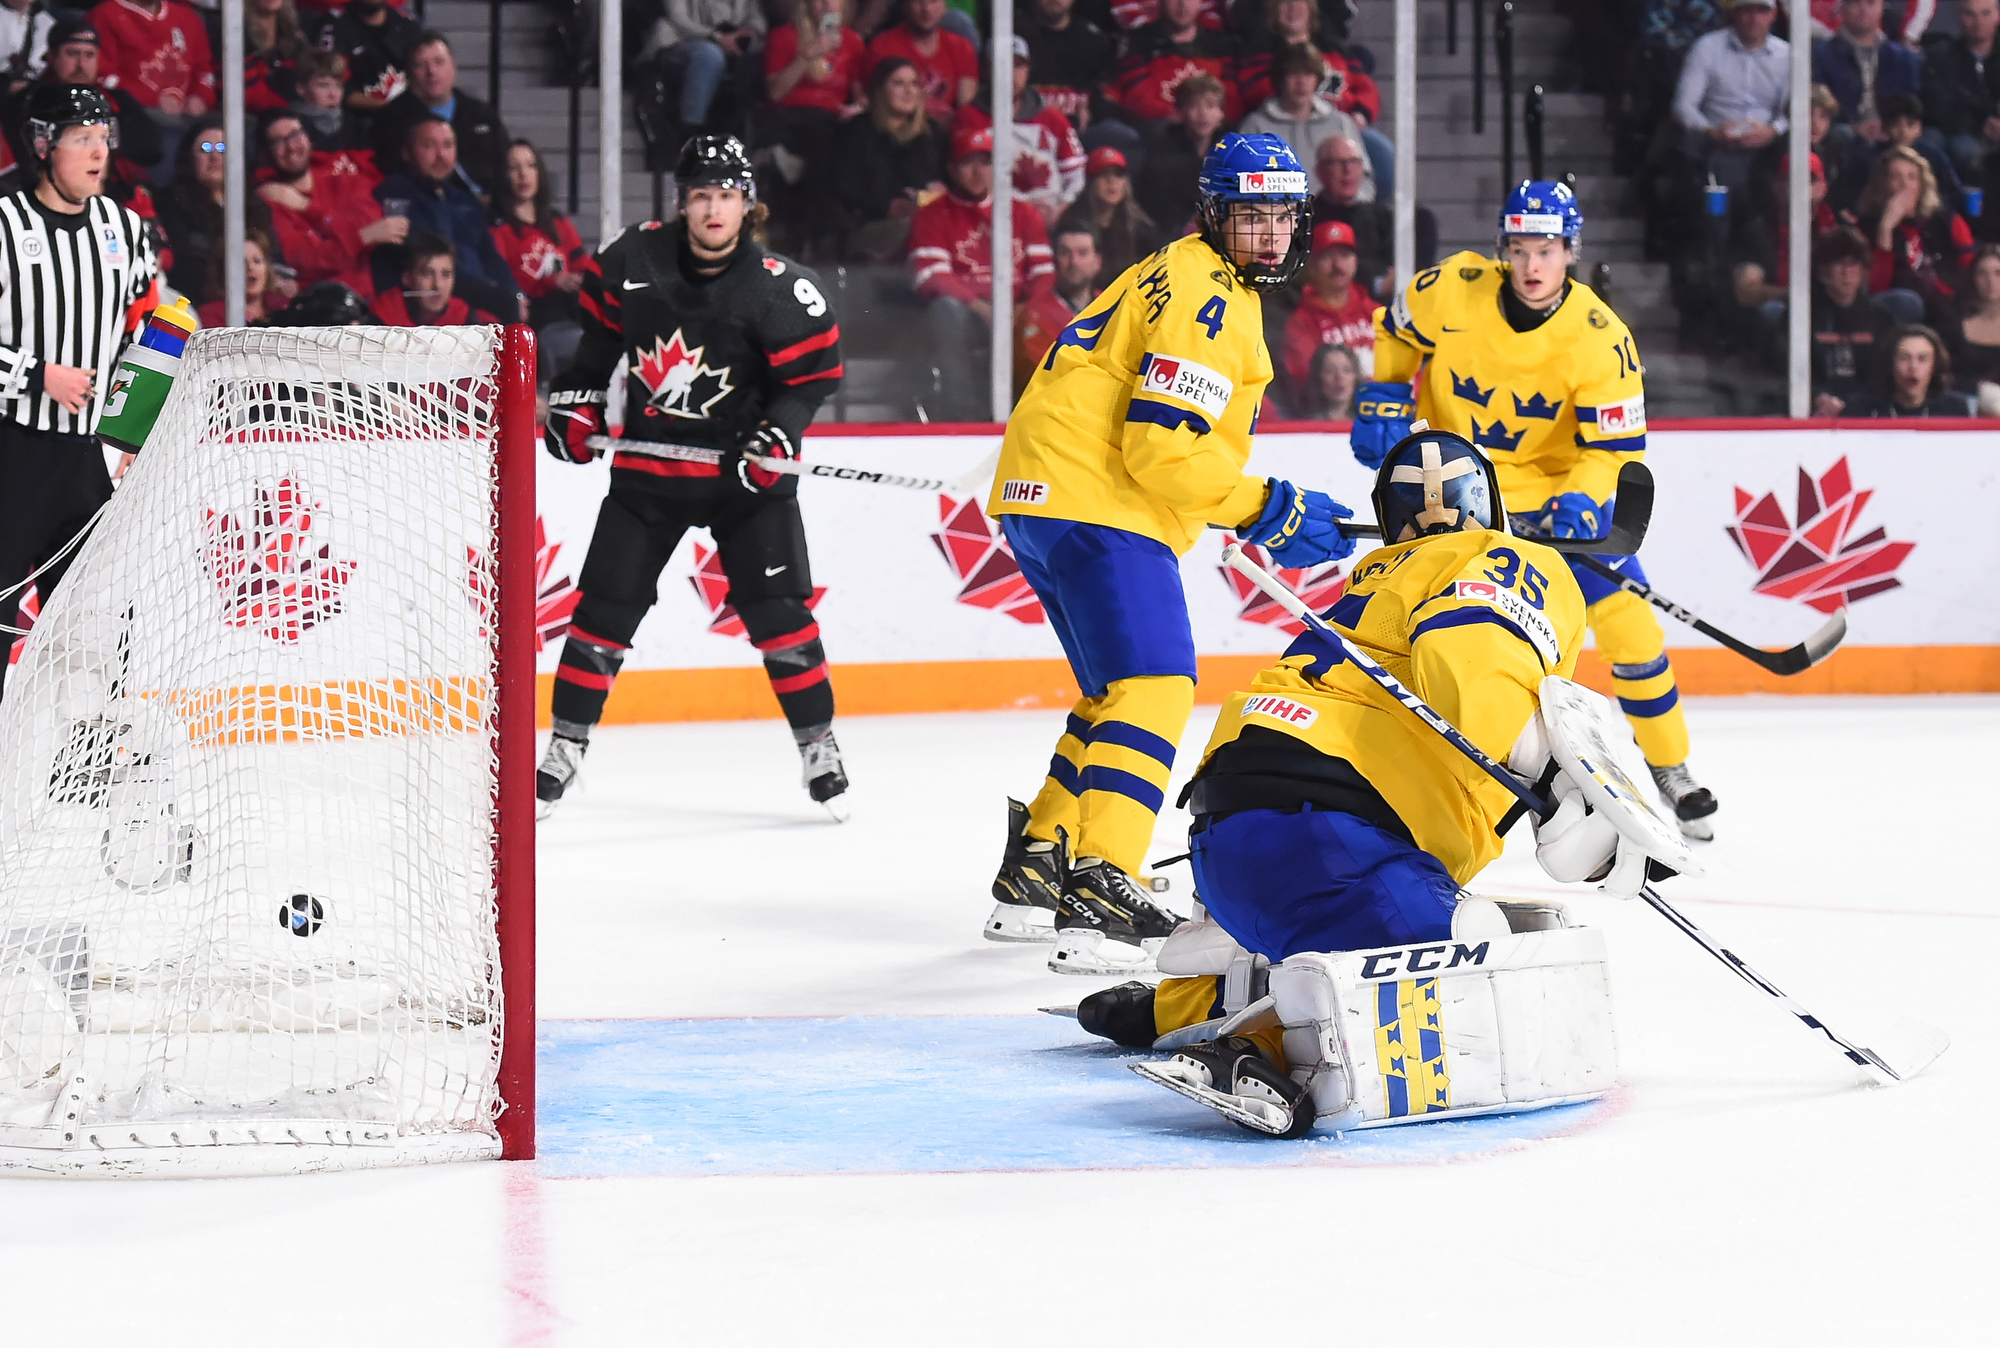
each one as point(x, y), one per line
point(247, 768)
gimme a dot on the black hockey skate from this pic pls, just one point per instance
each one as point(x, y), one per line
point(823, 774)
point(1105, 924)
point(1692, 802)
point(1232, 1077)
point(562, 761)
point(1028, 887)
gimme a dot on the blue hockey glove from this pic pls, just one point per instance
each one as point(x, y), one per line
point(1572, 515)
point(1382, 415)
point(1301, 528)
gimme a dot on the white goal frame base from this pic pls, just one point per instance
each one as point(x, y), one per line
point(256, 1147)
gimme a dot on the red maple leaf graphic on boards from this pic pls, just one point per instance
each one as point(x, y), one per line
point(978, 555)
point(555, 599)
point(711, 584)
point(1319, 586)
point(1813, 560)
point(30, 609)
point(271, 576)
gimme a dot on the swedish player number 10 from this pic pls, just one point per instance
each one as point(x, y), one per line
point(1532, 581)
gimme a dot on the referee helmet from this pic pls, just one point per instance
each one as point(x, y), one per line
point(54, 108)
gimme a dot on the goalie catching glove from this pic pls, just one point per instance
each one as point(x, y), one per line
point(766, 442)
point(1602, 829)
point(573, 418)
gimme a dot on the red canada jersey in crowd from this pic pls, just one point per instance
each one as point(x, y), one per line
point(323, 242)
point(954, 60)
point(393, 308)
point(160, 59)
point(1347, 87)
point(951, 250)
point(1037, 324)
point(1048, 158)
point(1132, 14)
point(538, 256)
point(260, 83)
point(212, 313)
point(834, 92)
point(1315, 324)
point(1154, 67)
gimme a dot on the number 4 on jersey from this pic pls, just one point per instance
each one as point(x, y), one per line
point(1210, 315)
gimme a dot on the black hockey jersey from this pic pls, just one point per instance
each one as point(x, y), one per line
point(708, 358)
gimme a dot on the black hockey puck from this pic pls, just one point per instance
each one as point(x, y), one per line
point(301, 914)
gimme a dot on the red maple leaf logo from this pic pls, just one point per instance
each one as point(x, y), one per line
point(1319, 586)
point(272, 577)
point(712, 585)
point(978, 555)
point(30, 609)
point(678, 383)
point(555, 599)
point(1814, 561)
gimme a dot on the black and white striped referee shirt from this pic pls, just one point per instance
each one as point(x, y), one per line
point(70, 288)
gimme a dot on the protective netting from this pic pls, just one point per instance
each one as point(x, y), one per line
point(247, 766)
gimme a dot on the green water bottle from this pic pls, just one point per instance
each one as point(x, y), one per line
point(145, 376)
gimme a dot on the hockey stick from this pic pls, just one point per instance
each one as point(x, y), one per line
point(1796, 660)
point(967, 484)
point(1631, 516)
point(1916, 1045)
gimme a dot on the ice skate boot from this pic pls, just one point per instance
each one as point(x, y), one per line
point(1026, 890)
point(1692, 802)
point(1233, 1078)
point(1105, 924)
point(557, 773)
point(824, 777)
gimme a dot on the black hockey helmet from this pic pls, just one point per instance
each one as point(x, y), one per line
point(715, 161)
point(54, 108)
point(1434, 482)
point(325, 304)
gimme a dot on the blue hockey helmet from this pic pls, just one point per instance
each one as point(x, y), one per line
point(1434, 482)
point(1542, 210)
point(1254, 170)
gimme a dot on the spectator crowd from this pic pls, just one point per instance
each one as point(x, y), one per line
point(1905, 135)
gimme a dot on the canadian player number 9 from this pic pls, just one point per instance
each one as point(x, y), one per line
point(808, 294)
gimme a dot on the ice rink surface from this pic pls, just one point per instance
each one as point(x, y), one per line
point(706, 936)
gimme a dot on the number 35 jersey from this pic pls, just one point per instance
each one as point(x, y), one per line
point(1140, 415)
point(1470, 622)
point(1559, 408)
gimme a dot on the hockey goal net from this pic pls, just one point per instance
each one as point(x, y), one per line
point(266, 775)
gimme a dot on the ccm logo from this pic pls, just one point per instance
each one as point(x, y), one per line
point(1019, 492)
point(1423, 959)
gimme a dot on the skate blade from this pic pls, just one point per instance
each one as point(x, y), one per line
point(545, 808)
point(1697, 830)
point(1082, 951)
point(836, 808)
point(1066, 1012)
point(1020, 924)
point(1258, 1115)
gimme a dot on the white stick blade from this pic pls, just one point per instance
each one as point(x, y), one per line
point(1908, 1046)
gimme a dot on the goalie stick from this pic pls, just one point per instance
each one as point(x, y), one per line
point(1796, 660)
point(1631, 516)
point(966, 484)
point(1913, 1046)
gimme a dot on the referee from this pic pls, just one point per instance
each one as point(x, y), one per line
point(77, 276)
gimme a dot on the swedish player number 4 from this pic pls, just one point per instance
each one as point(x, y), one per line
point(1210, 315)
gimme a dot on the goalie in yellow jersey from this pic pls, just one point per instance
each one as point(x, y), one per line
point(1536, 370)
point(1129, 440)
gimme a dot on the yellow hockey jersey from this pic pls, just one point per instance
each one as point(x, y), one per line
point(1471, 623)
point(1140, 416)
point(1559, 409)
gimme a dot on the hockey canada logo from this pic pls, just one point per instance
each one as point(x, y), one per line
point(273, 578)
point(1319, 586)
point(711, 586)
point(677, 383)
point(556, 597)
point(977, 553)
point(1814, 559)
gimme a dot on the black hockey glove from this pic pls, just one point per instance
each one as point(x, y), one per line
point(573, 418)
point(766, 442)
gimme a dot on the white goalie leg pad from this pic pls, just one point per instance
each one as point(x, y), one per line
point(1459, 1027)
point(1201, 948)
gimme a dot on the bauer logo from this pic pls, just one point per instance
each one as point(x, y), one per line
point(1019, 491)
point(1423, 959)
point(1188, 382)
point(1269, 183)
point(1626, 418)
point(1281, 709)
point(1524, 617)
